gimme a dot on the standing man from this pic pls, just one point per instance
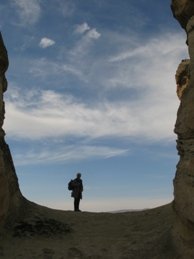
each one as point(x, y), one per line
point(77, 189)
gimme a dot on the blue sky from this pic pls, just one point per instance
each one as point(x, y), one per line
point(92, 89)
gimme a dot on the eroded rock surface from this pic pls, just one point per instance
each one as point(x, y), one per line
point(10, 196)
point(182, 77)
point(183, 11)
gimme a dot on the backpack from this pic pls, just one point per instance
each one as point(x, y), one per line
point(70, 185)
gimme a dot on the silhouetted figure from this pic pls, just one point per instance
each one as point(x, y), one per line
point(77, 189)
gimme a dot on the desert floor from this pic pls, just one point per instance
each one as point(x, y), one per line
point(53, 234)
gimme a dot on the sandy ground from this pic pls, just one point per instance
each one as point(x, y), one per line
point(52, 234)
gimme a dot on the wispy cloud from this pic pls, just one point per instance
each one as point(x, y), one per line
point(43, 68)
point(28, 11)
point(159, 45)
point(81, 28)
point(66, 154)
point(46, 42)
point(89, 35)
point(147, 74)
point(50, 114)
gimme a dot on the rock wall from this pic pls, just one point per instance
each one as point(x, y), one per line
point(183, 11)
point(10, 195)
point(182, 77)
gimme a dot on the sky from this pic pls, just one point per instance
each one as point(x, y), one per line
point(91, 89)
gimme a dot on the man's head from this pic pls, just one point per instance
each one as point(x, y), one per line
point(79, 175)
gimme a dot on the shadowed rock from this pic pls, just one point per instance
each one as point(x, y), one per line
point(38, 226)
point(10, 196)
point(183, 11)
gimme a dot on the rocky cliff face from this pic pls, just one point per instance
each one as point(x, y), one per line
point(10, 196)
point(183, 11)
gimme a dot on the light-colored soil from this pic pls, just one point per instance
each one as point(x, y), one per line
point(52, 234)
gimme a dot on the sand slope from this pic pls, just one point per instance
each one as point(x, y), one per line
point(53, 234)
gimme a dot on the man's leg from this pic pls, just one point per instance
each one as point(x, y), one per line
point(78, 201)
point(76, 204)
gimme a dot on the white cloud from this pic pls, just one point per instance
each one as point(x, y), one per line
point(46, 42)
point(90, 33)
point(149, 115)
point(81, 28)
point(50, 114)
point(93, 34)
point(29, 11)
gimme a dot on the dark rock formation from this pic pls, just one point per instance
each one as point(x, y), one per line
point(183, 11)
point(10, 195)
